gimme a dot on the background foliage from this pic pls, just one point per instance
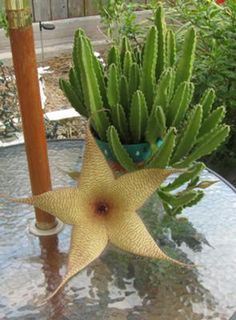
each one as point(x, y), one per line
point(3, 21)
point(215, 64)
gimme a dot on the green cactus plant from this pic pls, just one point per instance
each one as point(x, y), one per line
point(144, 95)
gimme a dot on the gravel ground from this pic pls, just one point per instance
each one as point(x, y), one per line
point(59, 68)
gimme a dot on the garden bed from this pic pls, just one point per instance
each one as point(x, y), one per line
point(58, 68)
point(53, 100)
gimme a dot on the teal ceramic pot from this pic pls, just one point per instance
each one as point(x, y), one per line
point(138, 152)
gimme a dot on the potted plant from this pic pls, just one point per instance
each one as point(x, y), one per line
point(140, 109)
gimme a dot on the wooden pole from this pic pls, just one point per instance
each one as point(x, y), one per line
point(24, 60)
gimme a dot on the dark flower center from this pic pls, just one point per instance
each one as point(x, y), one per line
point(102, 208)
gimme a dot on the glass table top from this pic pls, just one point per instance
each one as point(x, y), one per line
point(117, 285)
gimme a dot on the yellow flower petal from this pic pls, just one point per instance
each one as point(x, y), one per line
point(138, 186)
point(88, 240)
point(63, 203)
point(95, 169)
point(127, 232)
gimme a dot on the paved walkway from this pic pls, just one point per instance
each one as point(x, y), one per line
point(60, 39)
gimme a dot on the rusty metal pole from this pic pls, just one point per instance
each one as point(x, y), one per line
point(24, 59)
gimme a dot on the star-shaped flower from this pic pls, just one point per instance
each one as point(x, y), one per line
point(102, 208)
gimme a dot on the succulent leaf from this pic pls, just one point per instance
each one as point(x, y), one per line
point(188, 134)
point(73, 97)
point(165, 88)
point(113, 86)
point(75, 53)
point(161, 121)
point(191, 174)
point(212, 121)
point(185, 64)
point(211, 141)
point(198, 198)
point(170, 48)
point(149, 66)
point(156, 125)
point(161, 35)
point(179, 104)
point(127, 64)
point(75, 83)
point(181, 199)
point(206, 184)
point(178, 210)
point(162, 157)
point(124, 94)
point(118, 149)
point(125, 46)
point(120, 122)
point(113, 57)
point(207, 101)
point(91, 90)
point(138, 116)
point(134, 78)
point(138, 55)
point(99, 72)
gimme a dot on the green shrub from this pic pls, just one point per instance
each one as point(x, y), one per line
point(118, 18)
point(215, 61)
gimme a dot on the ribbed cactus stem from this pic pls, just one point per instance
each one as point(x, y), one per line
point(73, 97)
point(212, 120)
point(76, 83)
point(119, 120)
point(207, 101)
point(189, 134)
point(124, 94)
point(134, 78)
point(170, 48)
point(75, 53)
point(125, 46)
point(118, 149)
point(185, 177)
point(156, 125)
point(180, 103)
point(164, 90)
point(127, 64)
point(113, 93)
point(99, 72)
point(161, 41)
point(92, 95)
point(209, 144)
point(138, 116)
point(113, 56)
point(185, 64)
point(162, 157)
point(181, 199)
point(149, 66)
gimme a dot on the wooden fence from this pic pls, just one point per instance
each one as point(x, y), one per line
point(44, 10)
